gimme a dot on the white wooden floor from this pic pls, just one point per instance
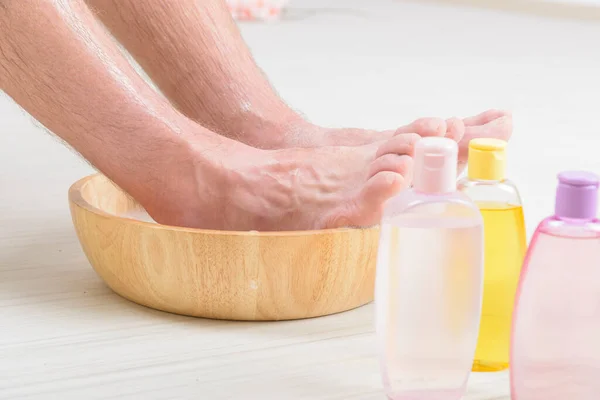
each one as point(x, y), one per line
point(376, 63)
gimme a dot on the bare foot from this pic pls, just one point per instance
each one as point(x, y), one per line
point(299, 133)
point(287, 189)
point(453, 128)
point(232, 186)
point(491, 123)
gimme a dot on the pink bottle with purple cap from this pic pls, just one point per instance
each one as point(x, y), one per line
point(429, 281)
point(555, 350)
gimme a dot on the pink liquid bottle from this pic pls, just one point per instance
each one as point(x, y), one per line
point(555, 350)
point(429, 281)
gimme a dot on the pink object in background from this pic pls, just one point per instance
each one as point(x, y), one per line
point(429, 281)
point(555, 352)
point(248, 10)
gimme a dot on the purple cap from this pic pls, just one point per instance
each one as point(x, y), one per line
point(577, 195)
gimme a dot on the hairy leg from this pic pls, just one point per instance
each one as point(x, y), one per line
point(195, 54)
point(60, 65)
point(193, 50)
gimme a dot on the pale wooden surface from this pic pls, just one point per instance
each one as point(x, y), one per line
point(250, 276)
point(64, 335)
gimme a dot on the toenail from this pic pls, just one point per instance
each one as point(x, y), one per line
point(500, 121)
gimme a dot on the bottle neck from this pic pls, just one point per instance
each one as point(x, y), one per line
point(434, 188)
point(490, 182)
point(574, 221)
point(488, 171)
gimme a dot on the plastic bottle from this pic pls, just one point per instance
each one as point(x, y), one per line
point(429, 281)
point(505, 246)
point(555, 352)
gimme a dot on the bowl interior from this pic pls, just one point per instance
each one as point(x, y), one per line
point(100, 195)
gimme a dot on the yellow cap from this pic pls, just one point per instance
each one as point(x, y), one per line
point(487, 159)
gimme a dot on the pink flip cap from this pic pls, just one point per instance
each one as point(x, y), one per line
point(435, 165)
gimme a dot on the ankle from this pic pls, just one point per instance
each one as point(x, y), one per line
point(199, 185)
point(166, 182)
point(186, 167)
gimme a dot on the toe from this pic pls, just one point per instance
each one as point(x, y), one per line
point(455, 129)
point(401, 164)
point(381, 187)
point(399, 144)
point(367, 208)
point(425, 127)
point(486, 117)
point(500, 128)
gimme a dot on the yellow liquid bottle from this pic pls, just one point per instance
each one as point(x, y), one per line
point(505, 244)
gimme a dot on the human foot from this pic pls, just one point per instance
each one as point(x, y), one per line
point(452, 128)
point(243, 188)
point(489, 124)
point(294, 131)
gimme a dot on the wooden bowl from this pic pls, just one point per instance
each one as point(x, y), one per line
point(219, 274)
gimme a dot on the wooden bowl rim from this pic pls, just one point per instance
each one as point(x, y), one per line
point(75, 197)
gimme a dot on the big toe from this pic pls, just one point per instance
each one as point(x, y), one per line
point(380, 187)
point(499, 128)
point(400, 144)
point(455, 129)
point(425, 127)
point(400, 164)
point(486, 117)
point(367, 208)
